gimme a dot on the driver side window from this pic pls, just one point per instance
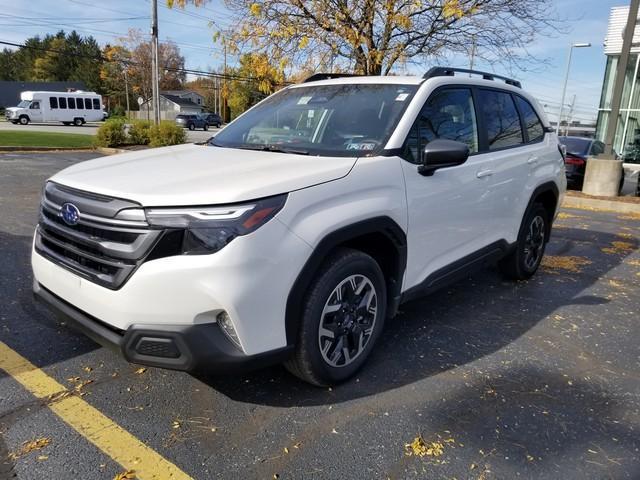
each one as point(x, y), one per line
point(448, 114)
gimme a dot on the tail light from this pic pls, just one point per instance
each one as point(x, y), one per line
point(574, 160)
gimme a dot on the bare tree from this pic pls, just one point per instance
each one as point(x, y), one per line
point(373, 36)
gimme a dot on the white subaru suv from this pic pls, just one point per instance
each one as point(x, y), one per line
point(299, 228)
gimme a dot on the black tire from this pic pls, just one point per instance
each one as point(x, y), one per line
point(24, 120)
point(520, 264)
point(217, 125)
point(77, 122)
point(15, 122)
point(66, 123)
point(310, 363)
point(206, 127)
point(192, 126)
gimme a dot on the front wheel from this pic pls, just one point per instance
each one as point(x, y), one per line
point(206, 127)
point(24, 120)
point(525, 259)
point(192, 126)
point(343, 315)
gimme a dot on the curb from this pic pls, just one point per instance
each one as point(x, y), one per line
point(598, 204)
point(45, 149)
point(110, 150)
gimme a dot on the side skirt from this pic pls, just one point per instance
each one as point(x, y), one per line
point(459, 269)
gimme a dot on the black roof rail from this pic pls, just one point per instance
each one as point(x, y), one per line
point(328, 76)
point(450, 71)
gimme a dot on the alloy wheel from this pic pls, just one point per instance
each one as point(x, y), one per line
point(534, 243)
point(347, 320)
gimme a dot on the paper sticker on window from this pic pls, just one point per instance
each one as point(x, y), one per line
point(304, 100)
point(361, 146)
point(402, 97)
point(311, 113)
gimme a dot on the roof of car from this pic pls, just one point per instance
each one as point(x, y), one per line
point(371, 79)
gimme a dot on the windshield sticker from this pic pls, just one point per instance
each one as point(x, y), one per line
point(361, 146)
point(304, 100)
point(402, 97)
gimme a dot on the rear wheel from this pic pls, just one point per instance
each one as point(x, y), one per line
point(24, 120)
point(78, 122)
point(206, 127)
point(66, 123)
point(192, 126)
point(525, 259)
point(343, 315)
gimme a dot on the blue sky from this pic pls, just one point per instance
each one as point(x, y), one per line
point(587, 22)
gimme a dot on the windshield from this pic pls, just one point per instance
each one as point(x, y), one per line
point(24, 104)
point(330, 120)
point(576, 146)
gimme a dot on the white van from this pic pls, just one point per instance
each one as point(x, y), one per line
point(66, 107)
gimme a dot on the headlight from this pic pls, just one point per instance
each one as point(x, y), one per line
point(209, 229)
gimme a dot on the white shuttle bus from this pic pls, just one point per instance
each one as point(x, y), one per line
point(67, 107)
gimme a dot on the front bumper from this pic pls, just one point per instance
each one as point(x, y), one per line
point(193, 348)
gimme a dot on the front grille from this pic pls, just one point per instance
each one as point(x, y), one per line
point(102, 247)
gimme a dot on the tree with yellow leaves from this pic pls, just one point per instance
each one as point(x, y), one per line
point(373, 36)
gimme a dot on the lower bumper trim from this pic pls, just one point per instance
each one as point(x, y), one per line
point(192, 348)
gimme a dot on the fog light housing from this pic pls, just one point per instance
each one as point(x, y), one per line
point(226, 326)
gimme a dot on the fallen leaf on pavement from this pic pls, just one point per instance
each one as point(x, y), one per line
point(127, 475)
point(140, 371)
point(420, 448)
point(30, 446)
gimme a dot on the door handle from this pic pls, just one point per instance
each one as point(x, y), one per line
point(532, 160)
point(484, 173)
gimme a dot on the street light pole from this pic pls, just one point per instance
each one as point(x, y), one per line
point(566, 80)
point(155, 93)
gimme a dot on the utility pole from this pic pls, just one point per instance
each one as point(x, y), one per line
point(570, 117)
point(126, 88)
point(155, 93)
point(619, 83)
point(224, 87)
point(473, 54)
point(566, 80)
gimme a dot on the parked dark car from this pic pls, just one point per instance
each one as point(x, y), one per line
point(192, 122)
point(212, 119)
point(575, 161)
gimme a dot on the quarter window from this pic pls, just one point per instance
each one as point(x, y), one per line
point(71, 102)
point(63, 102)
point(532, 123)
point(96, 104)
point(448, 114)
point(53, 102)
point(87, 103)
point(501, 119)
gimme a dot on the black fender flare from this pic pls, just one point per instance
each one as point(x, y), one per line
point(539, 190)
point(381, 225)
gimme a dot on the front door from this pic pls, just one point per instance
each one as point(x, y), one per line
point(446, 210)
point(35, 111)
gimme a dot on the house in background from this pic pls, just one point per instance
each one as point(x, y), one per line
point(10, 91)
point(173, 103)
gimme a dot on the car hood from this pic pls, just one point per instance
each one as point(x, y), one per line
point(200, 175)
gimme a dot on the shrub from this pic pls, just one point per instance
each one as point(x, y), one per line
point(167, 133)
point(111, 133)
point(139, 132)
point(117, 111)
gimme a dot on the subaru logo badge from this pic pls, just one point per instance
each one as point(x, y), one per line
point(70, 214)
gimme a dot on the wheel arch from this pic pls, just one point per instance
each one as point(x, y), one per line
point(548, 195)
point(380, 237)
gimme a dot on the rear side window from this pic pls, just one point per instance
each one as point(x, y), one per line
point(63, 102)
point(79, 103)
point(87, 103)
point(501, 119)
point(96, 104)
point(532, 123)
point(53, 102)
point(71, 102)
point(448, 114)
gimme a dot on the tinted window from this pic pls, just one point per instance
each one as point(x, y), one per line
point(96, 104)
point(532, 124)
point(501, 119)
point(87, 103)
point(447, 114)
point(53, 102)
point(79, 103)
point(577, 146)
point(597, 148)
point(63, 102)
point(71, 102)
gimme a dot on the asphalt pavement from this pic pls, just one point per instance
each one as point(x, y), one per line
point(91, 128)
point(500, 380)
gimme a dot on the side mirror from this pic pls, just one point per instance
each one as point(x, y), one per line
point(441, 153)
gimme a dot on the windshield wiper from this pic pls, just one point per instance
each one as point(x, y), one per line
point(271, 148)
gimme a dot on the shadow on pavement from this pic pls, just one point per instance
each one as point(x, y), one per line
point(455, 326)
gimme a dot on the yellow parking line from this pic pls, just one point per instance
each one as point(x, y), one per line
point(96, 427)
